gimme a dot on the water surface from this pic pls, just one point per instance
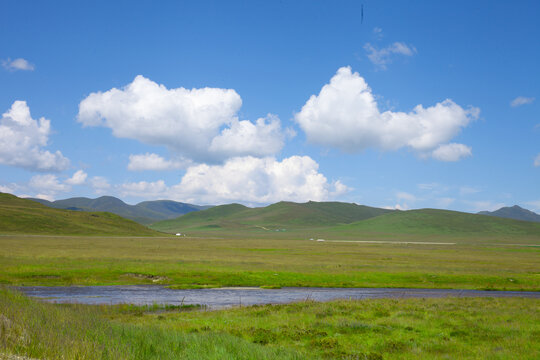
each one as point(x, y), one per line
point(227, 297)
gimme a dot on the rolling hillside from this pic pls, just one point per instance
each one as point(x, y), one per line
point(442, 222)
point(22, 216)
point(334, 220)
point(146, 212)
point(279, 216)
point(515, 212)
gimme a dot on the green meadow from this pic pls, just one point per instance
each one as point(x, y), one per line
point(196, 262)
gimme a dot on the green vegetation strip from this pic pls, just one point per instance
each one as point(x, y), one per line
point(464, 328)
point(194, 263)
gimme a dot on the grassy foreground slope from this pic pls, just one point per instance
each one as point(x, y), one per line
point(45, 331)
point(279, 216)
point(21, 216)
point(450, 328)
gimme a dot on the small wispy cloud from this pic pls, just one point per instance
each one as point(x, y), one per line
point(521, 100)
point(17, 64)
point(377, 31)
point(468, 190)
point(537, 160)
point(402, 195)
point(382, 57)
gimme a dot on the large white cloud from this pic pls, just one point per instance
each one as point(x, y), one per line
point(197, 124)
point(345, 115)
point(245, 179)
point(22, 140)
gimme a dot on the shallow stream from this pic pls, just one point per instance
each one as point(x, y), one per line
point(227, 297)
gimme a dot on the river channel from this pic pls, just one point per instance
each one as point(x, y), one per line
point(228, 297)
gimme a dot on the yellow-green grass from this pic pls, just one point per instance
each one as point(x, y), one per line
point(46, 331)
point(449, 328)
point(21, 216)
point(196, 262)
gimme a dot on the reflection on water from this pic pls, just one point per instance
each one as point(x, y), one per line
point(227, 297)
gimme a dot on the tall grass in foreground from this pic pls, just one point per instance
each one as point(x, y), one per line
point(47, 331)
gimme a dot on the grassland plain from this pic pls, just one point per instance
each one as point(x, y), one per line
point(194, 262)
point(451, 328)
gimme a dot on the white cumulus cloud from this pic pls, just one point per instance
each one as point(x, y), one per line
point(245, 179)
point(22, 140)
point(244, 138)
point(47, 186)
point(197, 124)
point(345, 115)
point(258, 180)
point(17, 64)
point(78, 178)
point(151, 161)
point(521, 100)
point(382, 57)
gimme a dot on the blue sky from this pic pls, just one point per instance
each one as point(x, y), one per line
point(421, 104)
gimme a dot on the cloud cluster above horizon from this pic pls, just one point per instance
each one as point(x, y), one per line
point(227, 159)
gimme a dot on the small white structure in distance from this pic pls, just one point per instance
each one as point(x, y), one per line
point(178, 234)
point(320, 240)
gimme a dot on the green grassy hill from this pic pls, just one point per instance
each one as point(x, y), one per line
point(213, 218)
point(279, 216)
point(442, 222)
point(22, 216)
point(343, 221)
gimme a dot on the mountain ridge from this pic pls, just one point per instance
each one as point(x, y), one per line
point(513, 212)
point(146, 212)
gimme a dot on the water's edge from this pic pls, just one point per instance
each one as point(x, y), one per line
point(228, 297)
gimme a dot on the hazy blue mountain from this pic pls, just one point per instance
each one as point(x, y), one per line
point(515, 212)
point(146, 212)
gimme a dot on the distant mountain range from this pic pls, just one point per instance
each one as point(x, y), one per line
point(146, 212)
point(515, 212)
